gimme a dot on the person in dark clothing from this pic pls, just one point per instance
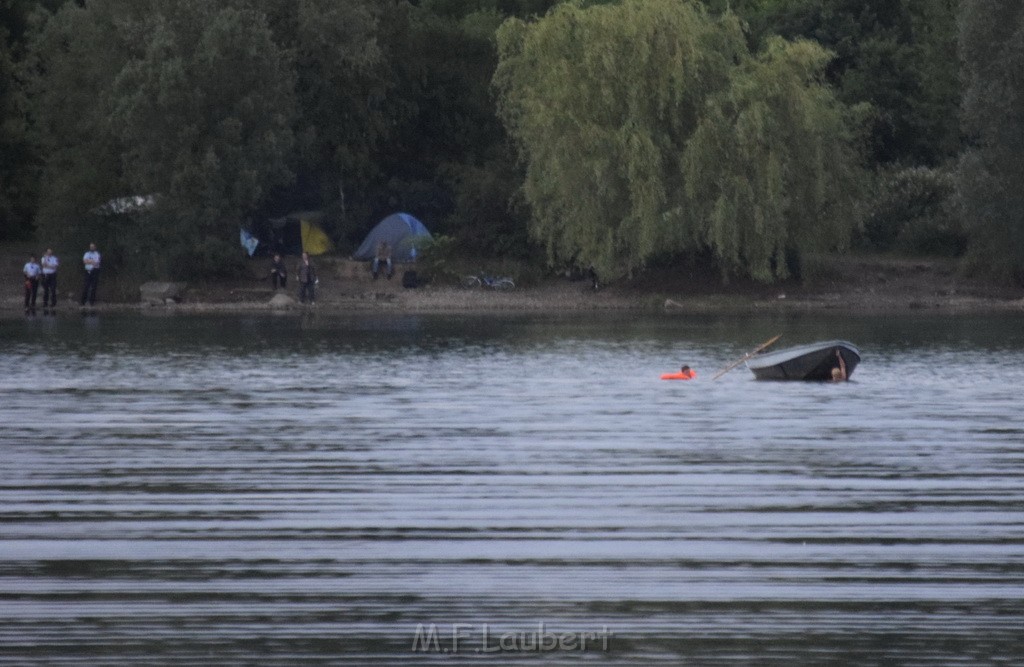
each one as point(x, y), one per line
point(307, 279)
point(278, 273)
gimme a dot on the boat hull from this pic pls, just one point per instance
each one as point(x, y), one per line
point(812, 362)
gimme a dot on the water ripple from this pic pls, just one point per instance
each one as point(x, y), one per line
point(172, 492)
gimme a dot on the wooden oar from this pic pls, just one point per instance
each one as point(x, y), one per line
point(746, 356)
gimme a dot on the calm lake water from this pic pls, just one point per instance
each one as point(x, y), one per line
point(395, 489)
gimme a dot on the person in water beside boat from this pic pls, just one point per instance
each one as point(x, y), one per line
point(839, 372)
point(685, 373)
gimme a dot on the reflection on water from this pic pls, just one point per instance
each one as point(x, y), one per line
point(285, 489)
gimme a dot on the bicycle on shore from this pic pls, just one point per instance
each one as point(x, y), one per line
point(496, 283)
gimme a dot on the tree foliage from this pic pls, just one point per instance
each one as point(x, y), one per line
point(190, 101)
point(256, 107)
point(204, 114)
point(643, 129)
point(602, 101)
point(991, 170)
point(897, 55)
point(911, 211)
point(70, 69)
point(17, 160)
point(772, 173)
point(647, 128)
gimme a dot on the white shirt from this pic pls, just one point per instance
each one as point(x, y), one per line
point(91, 260)
point(31, 270)
point(50, 264)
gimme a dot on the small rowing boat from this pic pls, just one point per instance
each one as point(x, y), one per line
point(813, 361)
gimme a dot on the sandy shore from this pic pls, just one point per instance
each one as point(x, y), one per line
point(861, 285)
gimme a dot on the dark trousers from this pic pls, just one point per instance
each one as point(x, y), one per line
point(278, 279)
point(31, 291)
point(92, 278)
point(49, 289)
point(307, 288)
point(375, 267)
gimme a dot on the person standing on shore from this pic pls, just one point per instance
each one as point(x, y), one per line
point(278, 273)
point(382, 256)
point(31, 271)
point(49, 263)
point(91, 264)
point(307, 279)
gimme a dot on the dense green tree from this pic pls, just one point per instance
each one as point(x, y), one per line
point(182, 100)
point(772, 174)
point(647, 128)
point(204, 113)
point(445, 155)
point(253, 107)
point(991, 170)
point(72, 63)
point(341, 86)
point(602, 101)
point(450, 160)
point(897, 55)
point(201, 105)
point(934, 108)
point(912, 210)
point(19, 162)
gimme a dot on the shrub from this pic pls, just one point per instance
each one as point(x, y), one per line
point(912, 212)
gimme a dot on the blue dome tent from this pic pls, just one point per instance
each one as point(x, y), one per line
point(405, 234)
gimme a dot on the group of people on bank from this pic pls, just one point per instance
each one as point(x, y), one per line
point(44, 272)
point(307, 272)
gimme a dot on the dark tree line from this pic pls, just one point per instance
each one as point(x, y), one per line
point(234, 111)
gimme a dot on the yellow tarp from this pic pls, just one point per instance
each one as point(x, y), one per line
point(314, 241)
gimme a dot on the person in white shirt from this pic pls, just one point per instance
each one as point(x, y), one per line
point(31, 271)
point(49, 263)
point(91, 263)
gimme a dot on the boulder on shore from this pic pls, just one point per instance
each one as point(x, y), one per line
point(157, 293)
point(281, 301)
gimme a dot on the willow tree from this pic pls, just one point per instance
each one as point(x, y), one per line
point(601, 101)
point(647, 128)
point(772, 170)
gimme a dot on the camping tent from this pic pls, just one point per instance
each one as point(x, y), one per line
point(292, 234)
point(404, 233)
